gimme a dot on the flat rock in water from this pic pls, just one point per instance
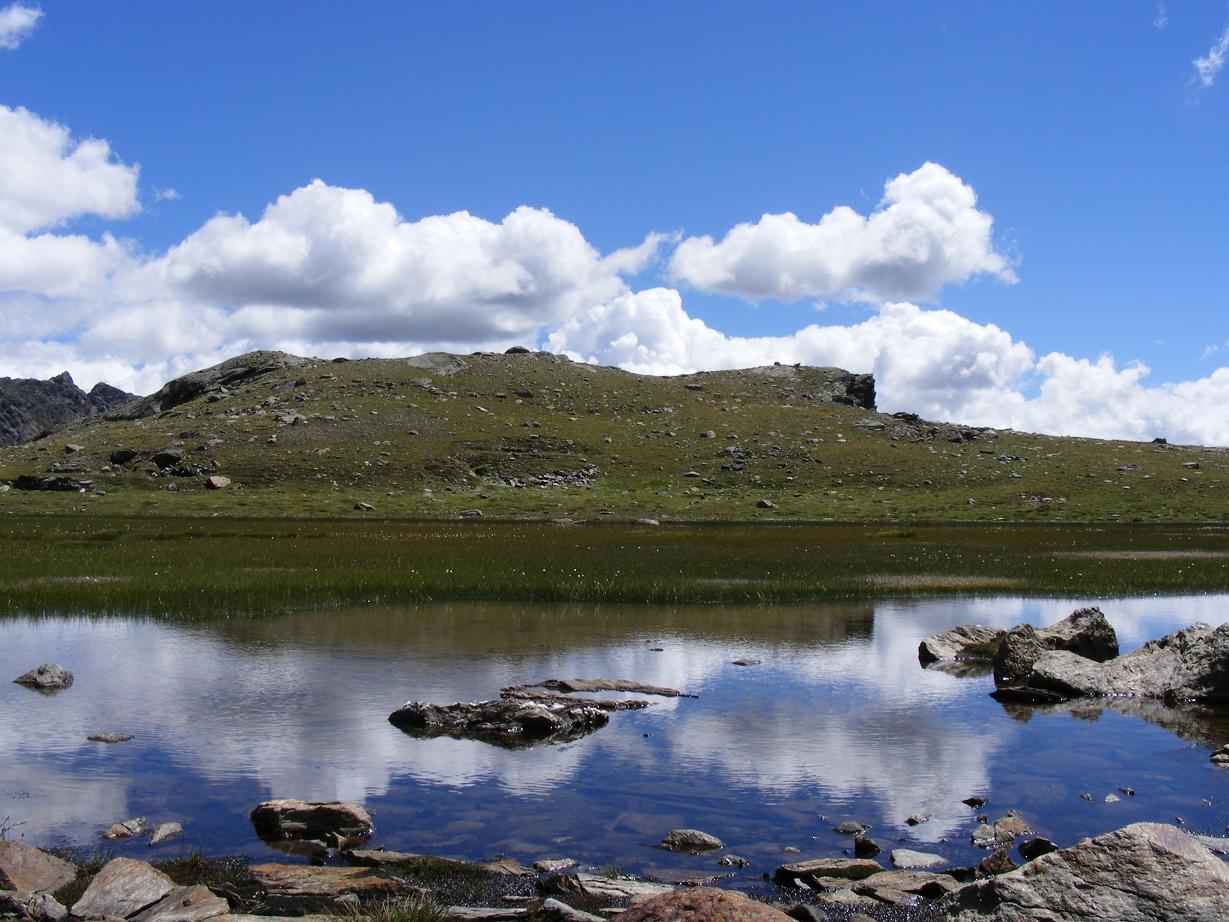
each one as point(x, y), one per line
point(844, 868)
point(1146, 872)
point(690, 840)
point(618, 685)
point(110, 737)
point(127, 829)
point(508, 722)
point(967, 641)
point(293, 888)
point(121, 889)
point(30, 870)
point(705, 903)
point(332, 822)
point(185, 904)
point(47, 677)
point(907, 858)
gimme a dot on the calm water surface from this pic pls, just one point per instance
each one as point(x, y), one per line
point(838, 721)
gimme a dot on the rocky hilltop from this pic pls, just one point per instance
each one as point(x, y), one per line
point(533, 434)
point(30, 407)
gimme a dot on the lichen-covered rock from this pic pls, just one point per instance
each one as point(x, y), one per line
point(121, 889)
point(1147, 872)
point(706, 903)
point(30, 870)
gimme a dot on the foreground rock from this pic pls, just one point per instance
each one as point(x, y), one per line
point(702, 903)
point(294, 889)
point(47, 677)
point(509, 722)
point(1188, 665)
point(333, 823)
point(121, 889)
point(812, 873)
point(185, 904)
point(30, 870)
point(1147, 872)
point(1085, 632)
point(602, 890)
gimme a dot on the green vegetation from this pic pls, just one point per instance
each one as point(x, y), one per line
point(538, 437)
point(407, 909)
point(221, 567)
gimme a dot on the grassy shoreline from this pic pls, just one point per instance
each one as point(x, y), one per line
point(220, 567)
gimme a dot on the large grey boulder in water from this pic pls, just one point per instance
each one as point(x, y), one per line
point(508, 722)
point(47, 677)
point(1146, 872)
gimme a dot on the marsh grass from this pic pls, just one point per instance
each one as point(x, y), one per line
point(232, 567)
point(406, 909)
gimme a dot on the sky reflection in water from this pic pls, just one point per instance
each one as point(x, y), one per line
point(838, 721)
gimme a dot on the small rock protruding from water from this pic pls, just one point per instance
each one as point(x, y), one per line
point(164, 832)
point(47, 677)
point(1221, 756)
point(110, 737)
point(850, 828)
point(332, 822)
point(127, 829)
point(733, 861)
point(909, 859)
point(690, 840)
point(917, 819)
point(1036, 847)
point(865, 847)
point(975, 803)
point(997, 862)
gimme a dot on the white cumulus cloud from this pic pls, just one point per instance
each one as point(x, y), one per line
point(47, 178)
point(17, 21)
point(1210, 65)
point(926, 233)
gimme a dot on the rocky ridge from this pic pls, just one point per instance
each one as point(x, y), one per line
point(30, 407)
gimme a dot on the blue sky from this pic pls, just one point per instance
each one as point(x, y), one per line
point(1092, 149)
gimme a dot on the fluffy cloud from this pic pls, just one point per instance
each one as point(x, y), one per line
point(47, 179)
point(932, 362)
point(17, 21)
point(1208, 67)
point(926, 233)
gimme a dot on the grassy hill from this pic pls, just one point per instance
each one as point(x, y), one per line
point(533, 435)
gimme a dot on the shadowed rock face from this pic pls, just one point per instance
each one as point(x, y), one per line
point(1146, 872)
point(509, 722)
point(29, 407)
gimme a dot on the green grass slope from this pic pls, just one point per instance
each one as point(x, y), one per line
point(537, 436)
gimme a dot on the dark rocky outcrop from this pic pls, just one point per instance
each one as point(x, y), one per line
point(508, 722)
point(242, 369)
point(30, 407)
point(1147, 872)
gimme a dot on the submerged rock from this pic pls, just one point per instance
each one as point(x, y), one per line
point(1146, 872)
point(333, 822)
point(47, 677)
point(509, 722)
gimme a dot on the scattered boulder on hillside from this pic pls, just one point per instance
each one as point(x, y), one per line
point(47, 677)
point(332, 822)
point(509, 722)
point(52, 484)
point(1146, 872)
point(30, 407)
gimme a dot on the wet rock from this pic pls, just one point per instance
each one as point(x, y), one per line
point(127, 829)
point(164, 832)
point(1191, 664)
point(555, 911)
point(917, 819)
point(967, 641)
point(788, 875)
point(47, 677)
point(706, 903)
point(998, 862)
point(1005, 830)
point(974, 802)
point(110, 737)
point(294, 888)
point(1036, 847)
point(121, 889)
point(865, 847)
point(185, 904)
point(733, 861)
point(907, 858)
point(1146, 872)
point(30, 870)
point(509, 722)
point(690, 840)
point(850, 828)
point(334, 822)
